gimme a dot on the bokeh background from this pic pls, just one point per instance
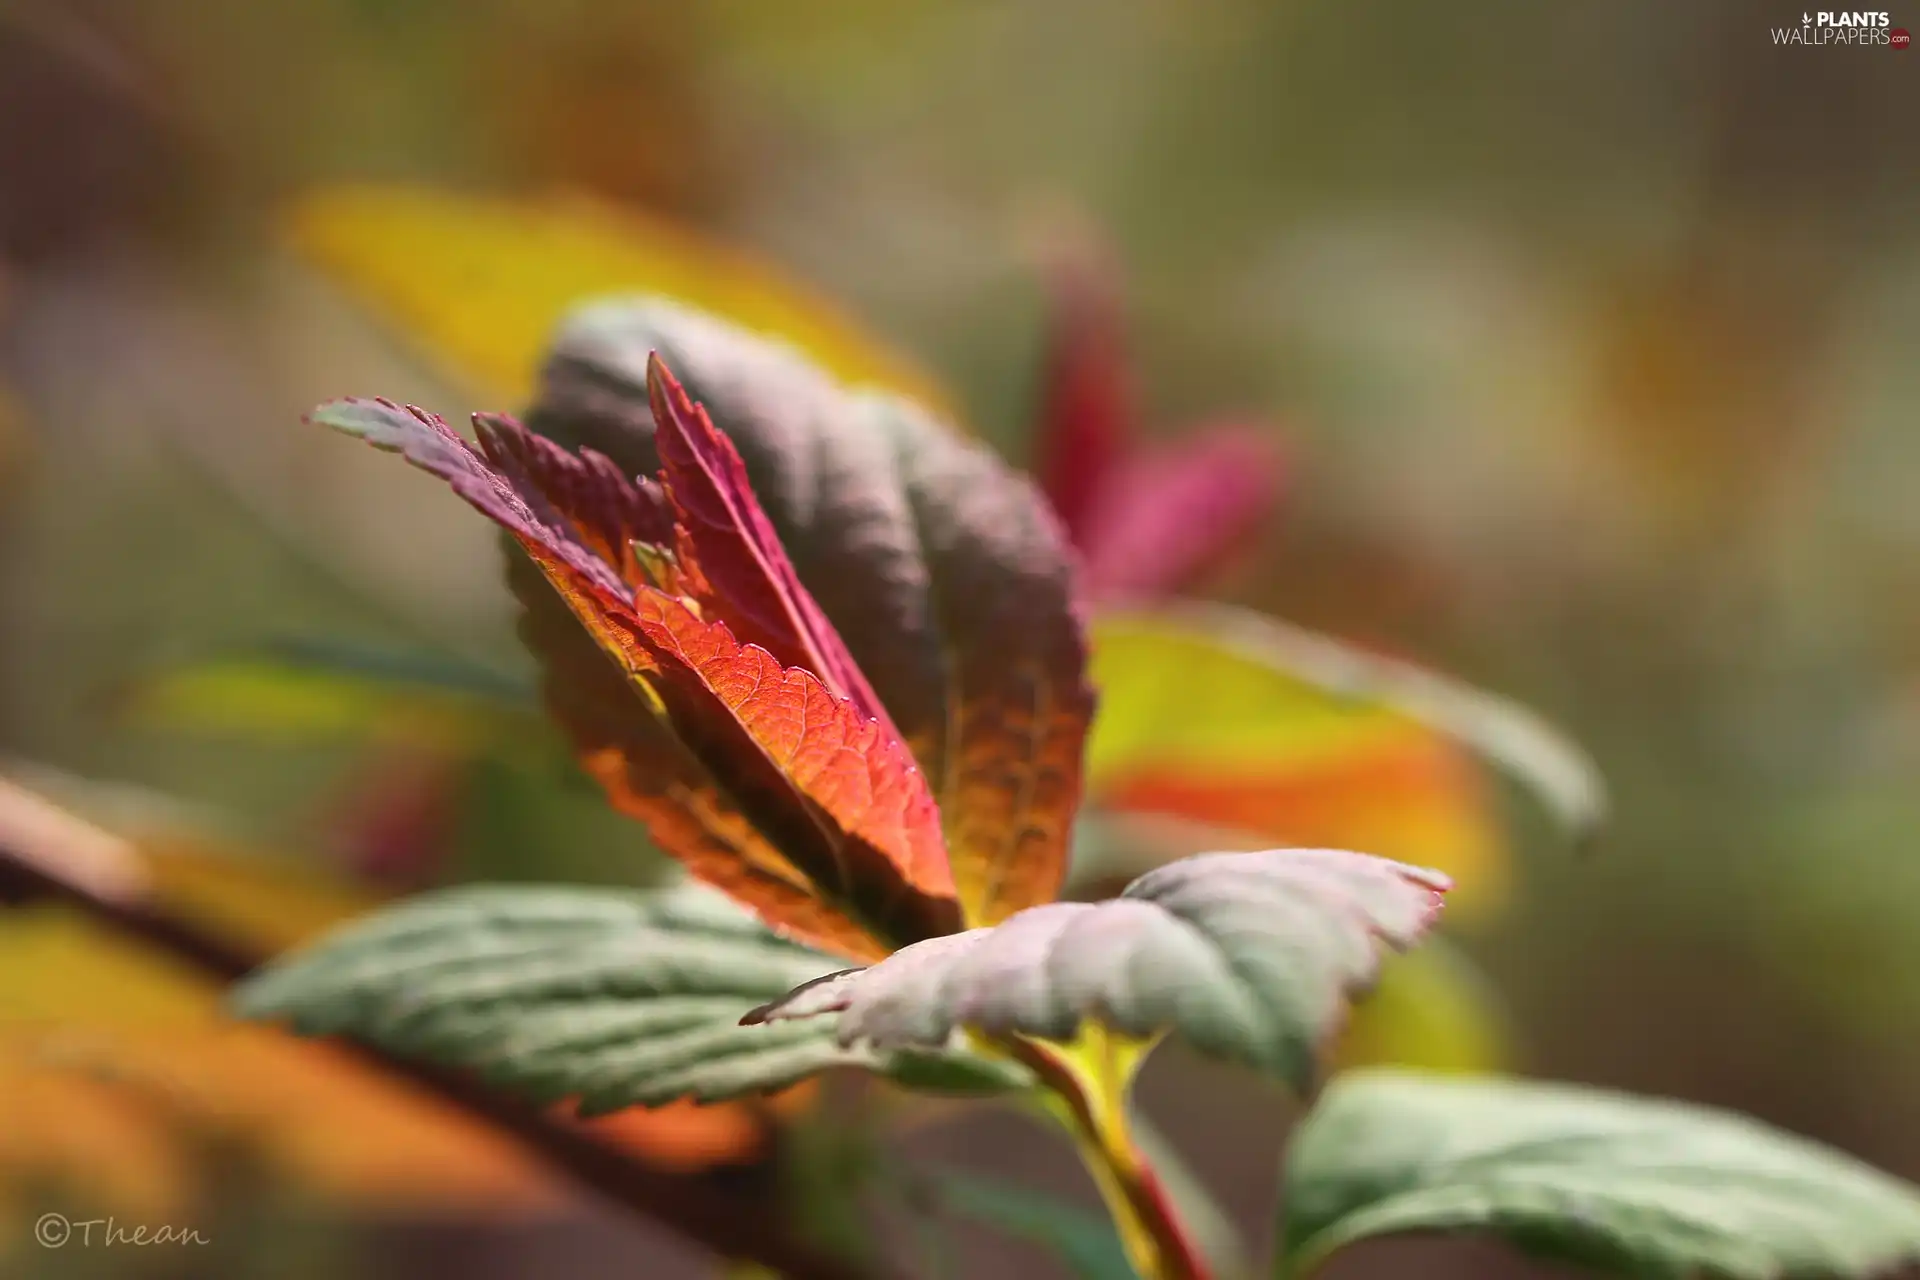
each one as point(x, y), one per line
point(1588, 332)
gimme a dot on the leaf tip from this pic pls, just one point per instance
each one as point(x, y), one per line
point(665, 396)
point(255, 999)
point(802, 1002)
point(381, 422)
point(679, 424)
point(1434, 886)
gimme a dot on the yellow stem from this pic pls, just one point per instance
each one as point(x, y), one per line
point(1088, 1094)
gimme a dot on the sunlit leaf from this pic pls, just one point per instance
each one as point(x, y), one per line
point(1391, 788)
point(607, 998)
point(623, 744)
point(263, 903)
point(1251, 957)
point(479, 283)
point(945, 574)
point(747, 579)
point(856, 826)
point(1238, 720)
point(691, 1135)
point(1632, 1186)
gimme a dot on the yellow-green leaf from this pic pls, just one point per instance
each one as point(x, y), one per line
point(478, 283)
point(1432, 1009)
point(1237, 721)
point(301, 690)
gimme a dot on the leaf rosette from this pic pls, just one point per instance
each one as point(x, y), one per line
point(886, 770)
point(832, 654)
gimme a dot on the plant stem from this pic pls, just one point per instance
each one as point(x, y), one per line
point(1091, 1096)
point(49, 856)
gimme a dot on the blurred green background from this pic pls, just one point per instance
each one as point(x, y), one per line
point(1589, 330)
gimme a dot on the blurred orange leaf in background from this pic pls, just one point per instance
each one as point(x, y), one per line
point(122, 1069)
point(1190, 727)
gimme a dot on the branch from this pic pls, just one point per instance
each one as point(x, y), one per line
point(50, 856)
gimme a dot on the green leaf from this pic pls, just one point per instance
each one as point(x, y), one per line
point(1083, 1240)
point(945, 573)
point(544, 822)
point(1635, 1186)
point(1249, 956)
point(305, 689)
point(614, 998)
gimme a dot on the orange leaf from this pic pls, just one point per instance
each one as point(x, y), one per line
point(1406, 792)
point(119, 1063)
point(845, 766)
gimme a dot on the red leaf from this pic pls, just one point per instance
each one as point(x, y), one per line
point(585, 495)
point(947, 576)
point(1170, 515)
point(1087, 416)
point(1148, 523)
point(729, 535)
point(829, 787)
